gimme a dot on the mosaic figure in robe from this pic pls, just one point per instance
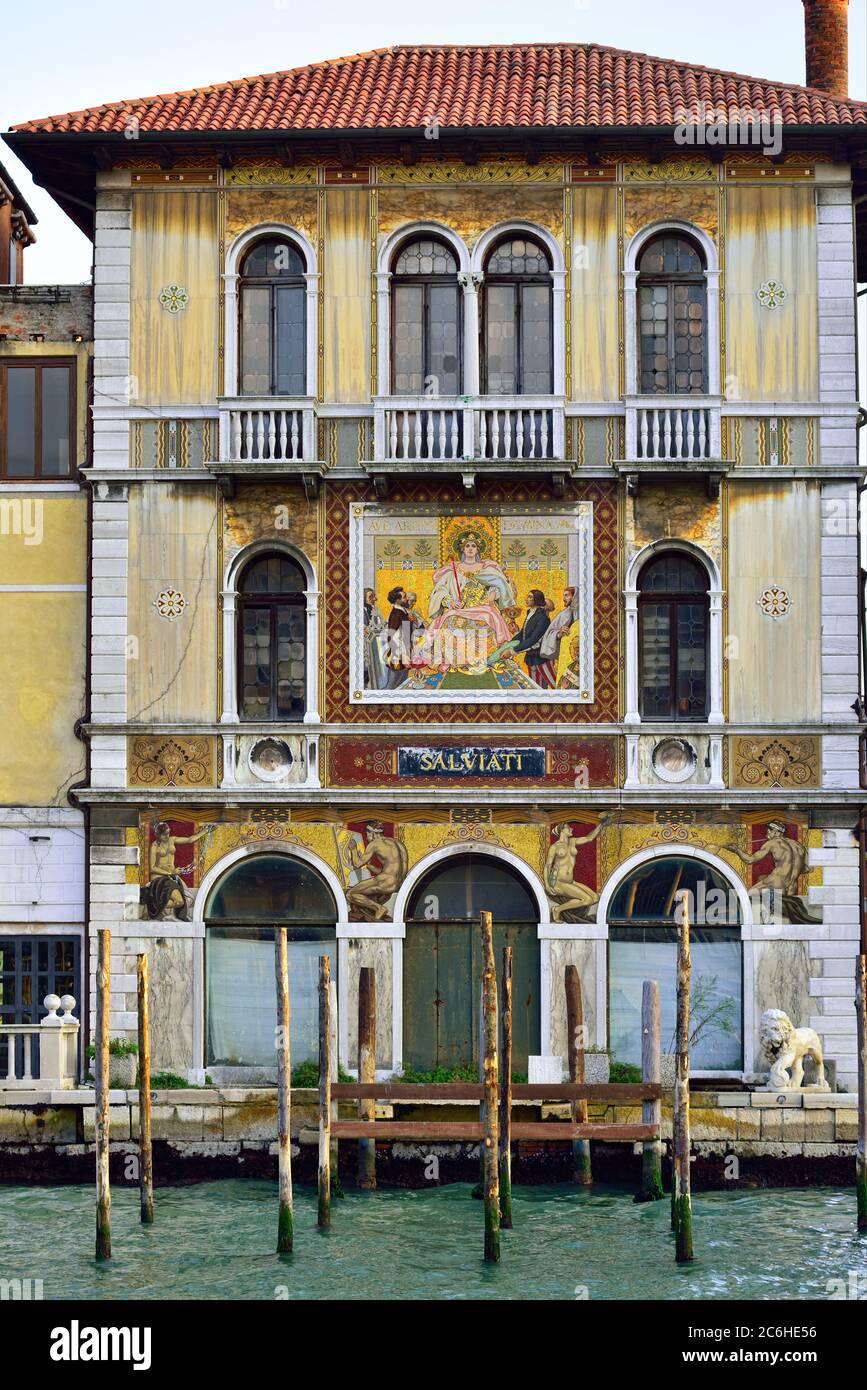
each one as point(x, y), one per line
point(468, 597)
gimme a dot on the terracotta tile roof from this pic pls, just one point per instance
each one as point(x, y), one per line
point(524, 85)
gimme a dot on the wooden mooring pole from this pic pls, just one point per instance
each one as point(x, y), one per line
point(101, 1078)
point(145, 1147)
point(323, 1217)
point(491, 1156)
point(680, 1187)
point(861, 1150)
point(861, 1027)
point(651, 1157)
point(367, 1072)
point(334, 1174)
point(582, 1171)
point(285, 1224)
point(506, 1097)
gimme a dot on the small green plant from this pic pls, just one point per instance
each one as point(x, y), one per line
point(709, 1012)
point(438, 1075)
point(117, 1047)
point(442, 1075)
point(306, 1075)
point(624, 1072)
point(169, 1081)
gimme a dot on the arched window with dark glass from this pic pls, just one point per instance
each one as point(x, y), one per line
point(272, 639)
point(672, 318)
point(262, 892)
point(673, 638)
point(643, 918)
point(518, 328)
point(426, 320)
point(273, 298)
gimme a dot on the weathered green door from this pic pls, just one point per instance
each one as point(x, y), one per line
point(526, 987)
point(442, 965)
point(442, 970)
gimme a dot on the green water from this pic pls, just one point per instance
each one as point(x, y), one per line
point(216, 1240)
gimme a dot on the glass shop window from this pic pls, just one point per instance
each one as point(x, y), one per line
point(642, 933)
point(262, 892)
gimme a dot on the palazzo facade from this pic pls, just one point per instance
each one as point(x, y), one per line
point(473, 524)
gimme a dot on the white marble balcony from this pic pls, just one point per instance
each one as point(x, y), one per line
point(464, 429)
point(267, 430)
point(673, 430)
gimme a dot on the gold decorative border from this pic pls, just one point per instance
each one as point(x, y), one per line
point(221, 314)
point(320, 296)
point(567, 289)
point(433, 170)
point(678, 169)
point(374, 297)
point(265, 172)
point(221, 523)
point(737, 430)
point(621, 300)
point(722, 209)
point(724, 520)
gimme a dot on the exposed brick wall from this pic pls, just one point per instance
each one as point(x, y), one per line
point(58, 311)
point(826, 33)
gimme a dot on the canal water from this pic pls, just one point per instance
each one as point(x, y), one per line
point(216, 1240)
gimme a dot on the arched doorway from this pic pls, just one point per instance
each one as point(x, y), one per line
point(442, 961)
point(642, 945)
point(257, 894)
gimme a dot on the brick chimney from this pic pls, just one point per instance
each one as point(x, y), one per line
point(826, 32)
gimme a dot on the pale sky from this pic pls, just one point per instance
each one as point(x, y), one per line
point(66, 56)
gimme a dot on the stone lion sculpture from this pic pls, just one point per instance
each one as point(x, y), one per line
point(785, 1047)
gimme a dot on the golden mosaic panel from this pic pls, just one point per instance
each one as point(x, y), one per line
point(547, 170)
point(271, 172)
point(644, 206)
point(773, 763)
point(685, 170)
point(161, 761)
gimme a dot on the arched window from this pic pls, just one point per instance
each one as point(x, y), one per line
point(518, 329)
point(673, 638)
point(272, 639)
point(426, 320)
point(273, 294)
point(442, 960)
point(261, 892)
point(642, 933)
point(672, 317)
point(463, 887)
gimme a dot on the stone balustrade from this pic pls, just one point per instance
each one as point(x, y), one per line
point(44, 1055)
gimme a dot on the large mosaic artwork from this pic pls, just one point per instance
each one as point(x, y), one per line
point(452, 605)
point(371, 854)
